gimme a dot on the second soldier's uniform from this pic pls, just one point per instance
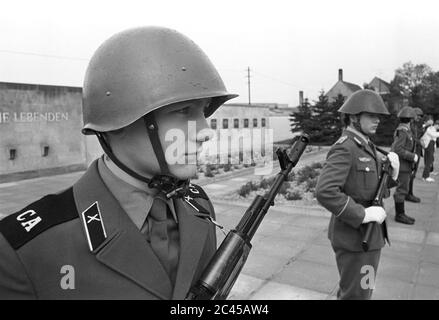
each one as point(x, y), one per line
point(347, 186)
point(404, 146)
point(348, 183)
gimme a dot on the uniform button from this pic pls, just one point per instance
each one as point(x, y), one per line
point(367, 169)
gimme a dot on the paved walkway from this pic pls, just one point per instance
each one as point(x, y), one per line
point(291, 256)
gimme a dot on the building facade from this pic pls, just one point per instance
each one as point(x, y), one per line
point(341, 87)
point(40, 129)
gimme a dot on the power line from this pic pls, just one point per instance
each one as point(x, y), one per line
point(248, 84)
point(277, 80)
point(43, 55)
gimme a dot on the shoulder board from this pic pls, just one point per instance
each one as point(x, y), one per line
point(358, 141)
point(341, 140)
point(195, 191)
point(24, 225)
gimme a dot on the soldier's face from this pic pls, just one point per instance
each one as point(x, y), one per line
point(182, 129)
point(369, 122)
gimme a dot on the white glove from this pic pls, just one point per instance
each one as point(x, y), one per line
point(394, 163)
point(374, 214)
point(416, 158)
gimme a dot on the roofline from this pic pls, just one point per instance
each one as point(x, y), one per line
point(38, 86)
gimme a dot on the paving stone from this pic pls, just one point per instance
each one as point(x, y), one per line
point(309, 275)
point(397, 269)
point(244, 286)
point(429, 274)
point(402, 250)
point(433, 238)
point(406, 234)
point(422, 292)
point(391, 289)
point(310, 222)
point(320, 254)
point(262, 266)
point(297, 233)
point(277, 291)
point(268, 227)
point(278, 246)
point(430, 254)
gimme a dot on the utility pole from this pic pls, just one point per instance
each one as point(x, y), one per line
point(248, 84)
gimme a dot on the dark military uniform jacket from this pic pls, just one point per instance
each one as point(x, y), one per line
point(347, 184)
point(404, 146)
point(417, 131)
point(84, 230)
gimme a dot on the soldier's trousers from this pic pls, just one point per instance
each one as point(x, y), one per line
point(357, 272)
point(403, 187)
point(413, 175)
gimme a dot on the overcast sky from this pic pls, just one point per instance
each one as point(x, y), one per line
point(288, 45)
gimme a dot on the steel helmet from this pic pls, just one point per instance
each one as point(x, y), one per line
point(419, 111)
point(364, 101)
point(140, 70)
point(407, 112)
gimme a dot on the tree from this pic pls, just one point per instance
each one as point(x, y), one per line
point(320, 121)
point(411, 78)
point(420, 85)
point(300, 120)
point(327, 118)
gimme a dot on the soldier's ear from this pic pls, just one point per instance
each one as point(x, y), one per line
point(110, 136)
point(354, 118)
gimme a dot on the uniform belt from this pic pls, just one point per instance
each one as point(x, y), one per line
point(365, 203)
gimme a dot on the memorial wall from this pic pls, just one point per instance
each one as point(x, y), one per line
point(40, 129)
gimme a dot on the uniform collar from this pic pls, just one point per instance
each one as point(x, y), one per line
point(358, 133)
point(134, 196)
point(361, 140)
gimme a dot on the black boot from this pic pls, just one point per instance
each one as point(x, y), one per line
point(400, 215)
point(412, 198)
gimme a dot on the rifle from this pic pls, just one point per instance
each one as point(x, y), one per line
point(223, 269)
point(378, 200)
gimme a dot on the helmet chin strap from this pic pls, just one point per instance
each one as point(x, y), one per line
point(171, 186)
point(357, 125)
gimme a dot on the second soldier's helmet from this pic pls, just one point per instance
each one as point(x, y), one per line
point(407, 112)
point(364, 101)
point(140, 70)
point(419, 111)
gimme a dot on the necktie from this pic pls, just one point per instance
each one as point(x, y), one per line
point(161, 231)
point(372, 146)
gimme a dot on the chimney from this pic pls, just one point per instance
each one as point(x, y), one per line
point(340, 74)
point(300, 98)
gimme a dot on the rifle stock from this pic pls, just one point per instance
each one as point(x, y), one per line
point(378, 200)
point(223, 269)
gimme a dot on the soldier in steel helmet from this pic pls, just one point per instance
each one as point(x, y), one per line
point(416, 127)
point(133, 226)
point(347, 186)
point(404, 146)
